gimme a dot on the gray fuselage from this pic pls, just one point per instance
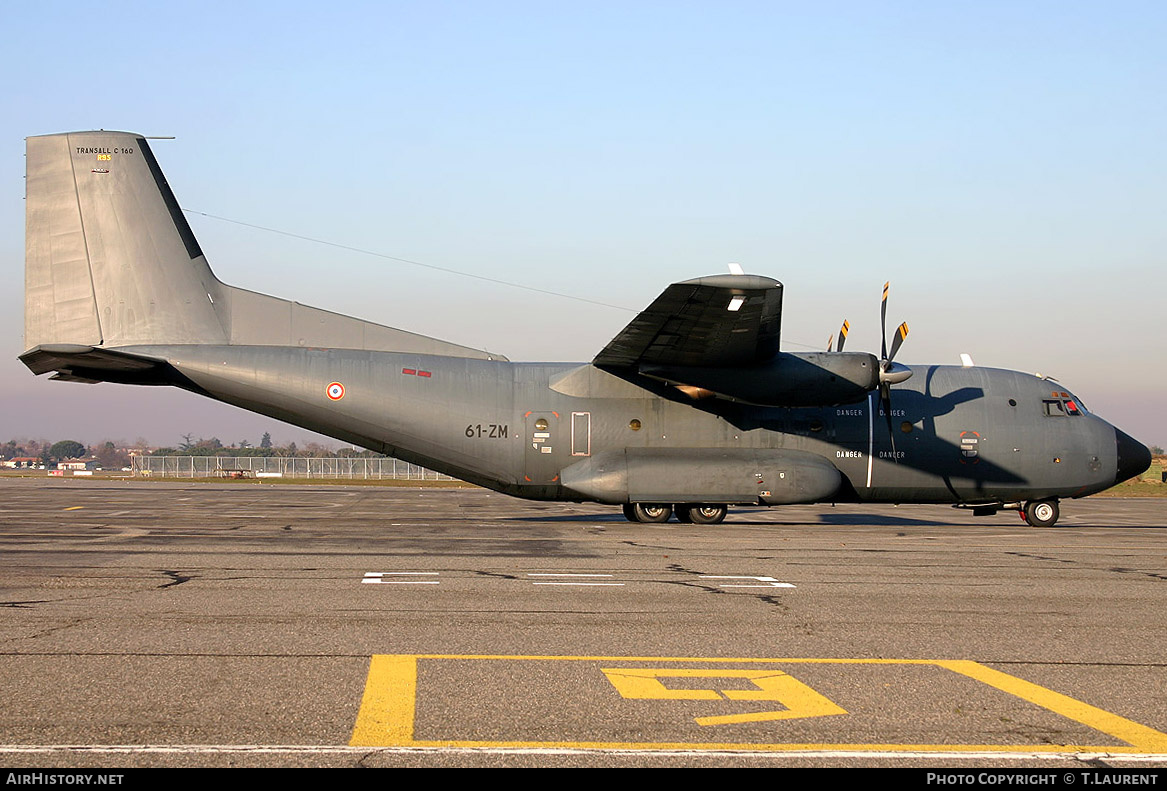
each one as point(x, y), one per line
point(962, 435)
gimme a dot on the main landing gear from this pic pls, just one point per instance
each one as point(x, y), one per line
point(658, 513)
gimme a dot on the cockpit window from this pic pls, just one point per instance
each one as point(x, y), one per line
point(1062, 406)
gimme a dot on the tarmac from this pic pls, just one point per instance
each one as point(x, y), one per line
point(192, 624)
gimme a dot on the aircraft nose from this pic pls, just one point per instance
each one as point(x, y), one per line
point(1133, 456)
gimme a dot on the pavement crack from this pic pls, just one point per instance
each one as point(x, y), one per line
point(1151, 574)
point(23, 605)
point(497, 575)
point(1039, 557)
point(774, 601)
point(640, 545)
point(175, 578)
point(1116, 569)
point(71, 623)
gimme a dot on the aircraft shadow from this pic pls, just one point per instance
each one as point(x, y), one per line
point(835, 520)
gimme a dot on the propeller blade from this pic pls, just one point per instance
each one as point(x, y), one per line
point(898, 340)
point(885, 405)
point(883, 323)
point(843, 335)
point(830, 342)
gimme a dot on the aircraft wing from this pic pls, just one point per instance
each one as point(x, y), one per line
point(722, 320)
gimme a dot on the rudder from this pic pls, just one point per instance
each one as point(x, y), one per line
point(109, 258)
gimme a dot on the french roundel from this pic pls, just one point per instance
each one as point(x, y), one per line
point(335, 391)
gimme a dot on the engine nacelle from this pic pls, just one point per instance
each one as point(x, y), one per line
point(789, 379)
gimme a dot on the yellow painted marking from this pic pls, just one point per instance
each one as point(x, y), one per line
point(386, 716)
point(800, 700)
point(73, 508)
point(1142, 737)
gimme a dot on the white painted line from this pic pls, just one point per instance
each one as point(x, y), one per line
point(549, 574)
point(585, 584)
point(400, 582)
point(1085, 759)
point(768, 582)
point(377, 577)
point(731, 577)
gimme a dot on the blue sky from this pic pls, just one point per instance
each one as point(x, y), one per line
point(1002, 164)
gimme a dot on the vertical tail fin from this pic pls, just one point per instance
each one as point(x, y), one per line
point(109, 258)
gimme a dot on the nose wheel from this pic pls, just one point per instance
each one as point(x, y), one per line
point(1040, 513)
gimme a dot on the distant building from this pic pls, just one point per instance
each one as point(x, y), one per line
point(79, 464)
point(21, 462)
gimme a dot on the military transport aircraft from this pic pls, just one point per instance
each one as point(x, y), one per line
point(690, 409)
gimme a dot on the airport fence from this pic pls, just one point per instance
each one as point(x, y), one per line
point(281, 467)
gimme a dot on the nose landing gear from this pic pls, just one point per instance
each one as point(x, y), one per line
point(1040, 513)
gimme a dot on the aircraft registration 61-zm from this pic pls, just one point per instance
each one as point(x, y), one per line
point(690, 409)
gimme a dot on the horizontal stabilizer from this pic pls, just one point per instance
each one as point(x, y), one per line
point(77, 363)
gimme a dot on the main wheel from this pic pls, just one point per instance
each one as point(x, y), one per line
point(652, 513)
point(1041, 513)
point(683, 513)
point(629, 512)
point(707, 514)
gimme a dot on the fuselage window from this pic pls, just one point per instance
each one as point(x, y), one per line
point(1054, 408)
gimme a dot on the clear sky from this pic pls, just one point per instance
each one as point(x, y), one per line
point(1004, 164)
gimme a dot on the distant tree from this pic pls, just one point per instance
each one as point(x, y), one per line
point(67, 449)
point(266, 441)
point(187, 443)
point(317, 451)
point(205, 447)
point(110, 457)
point(1156, 450)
